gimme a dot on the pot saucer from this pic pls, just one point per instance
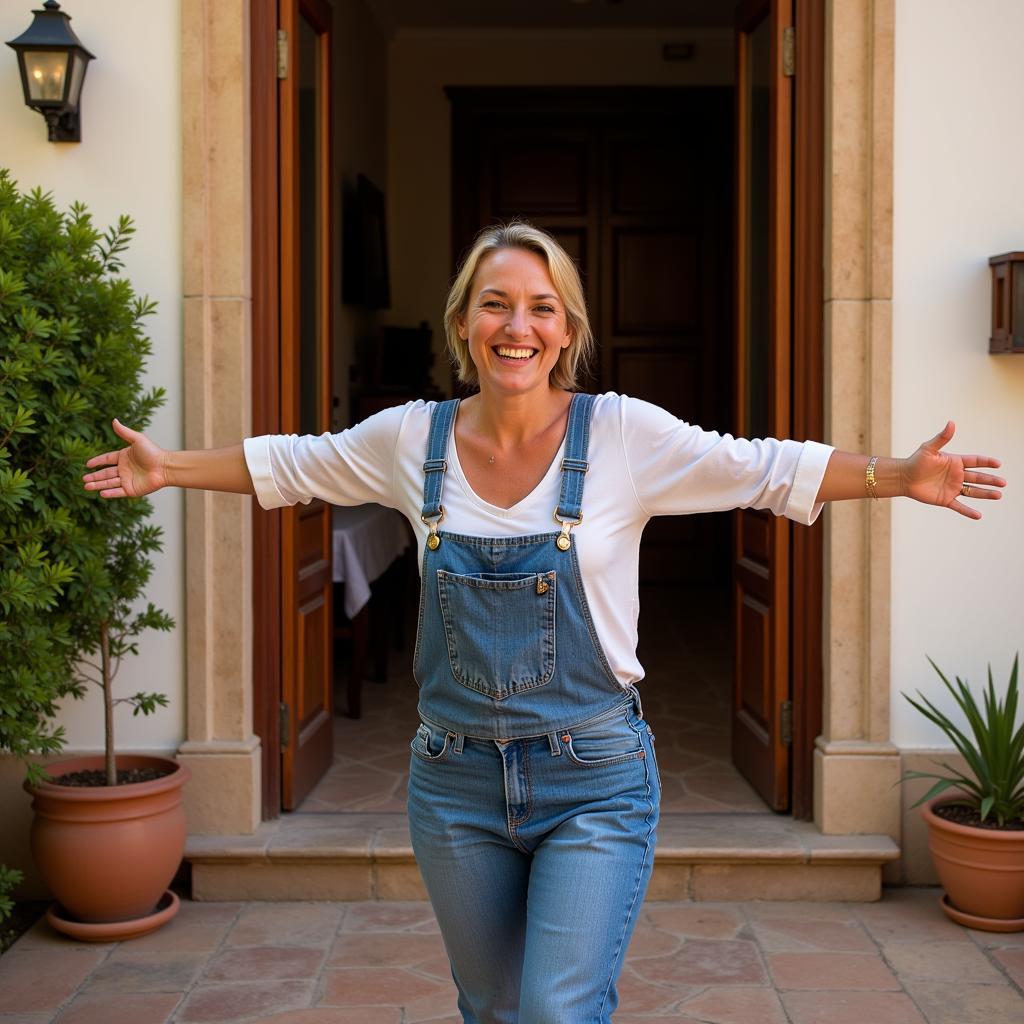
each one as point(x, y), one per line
point(982, 924)
point(115, 931)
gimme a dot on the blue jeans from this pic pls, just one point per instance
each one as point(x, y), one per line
point(536, 854)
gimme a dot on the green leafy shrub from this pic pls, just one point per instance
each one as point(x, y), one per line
point(994, 752)
point(9, 878)
point(72, 565)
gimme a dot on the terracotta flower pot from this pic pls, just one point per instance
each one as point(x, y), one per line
point(982, 871)
point(108, 853)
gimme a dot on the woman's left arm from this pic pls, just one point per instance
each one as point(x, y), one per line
point(930, 475)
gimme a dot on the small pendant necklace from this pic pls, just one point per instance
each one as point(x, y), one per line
point(491, 460)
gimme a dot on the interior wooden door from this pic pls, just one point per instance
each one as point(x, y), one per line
point(663, 317)
point(761, 542)
point(305, 277)
point(635, 184)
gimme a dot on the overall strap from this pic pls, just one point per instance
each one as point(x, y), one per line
point(441, 420)
point(574, 464)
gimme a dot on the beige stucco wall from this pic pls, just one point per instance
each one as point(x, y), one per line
point(956, 584)
point(129, 161)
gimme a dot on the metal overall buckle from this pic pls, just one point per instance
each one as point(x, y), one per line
point(433, 540)
point(562, 540)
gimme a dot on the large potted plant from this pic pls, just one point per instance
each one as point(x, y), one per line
point(109, 831)
point(976, 833)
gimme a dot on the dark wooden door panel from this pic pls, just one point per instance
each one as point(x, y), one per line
point(761, 598)
point(305, 289)
point(635, 185)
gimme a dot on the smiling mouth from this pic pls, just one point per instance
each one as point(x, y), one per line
point(515, 355)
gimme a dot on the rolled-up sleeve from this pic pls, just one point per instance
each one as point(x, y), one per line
point(353, 467)
point(678, 468)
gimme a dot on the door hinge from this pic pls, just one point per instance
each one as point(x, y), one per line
point(789, 51)
point(282, 53)
point(786, 722)
point(284, 726)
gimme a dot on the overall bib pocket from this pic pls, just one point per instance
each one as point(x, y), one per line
point(603, 743)
point(499, 628)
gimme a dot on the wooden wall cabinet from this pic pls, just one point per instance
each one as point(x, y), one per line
point(1007, 303)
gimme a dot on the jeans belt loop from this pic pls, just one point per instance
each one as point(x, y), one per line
point(554, 744)
point(457, 746)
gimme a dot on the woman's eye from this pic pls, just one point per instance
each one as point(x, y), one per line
point(491, 304)
point(545, 309)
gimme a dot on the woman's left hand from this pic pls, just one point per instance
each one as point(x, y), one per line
point(939, 478)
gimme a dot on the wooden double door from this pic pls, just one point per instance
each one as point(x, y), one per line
point(636, 184)
point(292, 377)
point(685, 210)
point(695, 216)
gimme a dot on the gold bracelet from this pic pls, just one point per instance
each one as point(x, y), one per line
point(869, 477)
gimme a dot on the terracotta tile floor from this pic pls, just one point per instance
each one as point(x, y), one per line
point(685, 647)
point(899, 961)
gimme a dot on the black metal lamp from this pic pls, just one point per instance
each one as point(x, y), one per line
point(53, 60)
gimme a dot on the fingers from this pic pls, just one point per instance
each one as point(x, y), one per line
point(109, 487)
point(942, 438)
point(981, 492)
point(973, 461)
point(107, 482)
point(984, 478)
point(106, 459)
point(129, 435)
point(964, 510)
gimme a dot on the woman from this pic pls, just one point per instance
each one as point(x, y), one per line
point(533, 791)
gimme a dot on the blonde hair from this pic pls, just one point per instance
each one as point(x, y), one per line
point(565, 277)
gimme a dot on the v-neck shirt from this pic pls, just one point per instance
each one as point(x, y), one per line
point(547, 481)
point(644, 462)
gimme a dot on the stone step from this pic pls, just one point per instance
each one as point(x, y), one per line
point(359, 856)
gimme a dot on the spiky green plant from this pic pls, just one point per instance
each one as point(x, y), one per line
point(994, 752)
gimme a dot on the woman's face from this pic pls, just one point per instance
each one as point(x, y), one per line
point(515, 322)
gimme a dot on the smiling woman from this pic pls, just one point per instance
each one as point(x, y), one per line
point(533, 787)
point(518, 256)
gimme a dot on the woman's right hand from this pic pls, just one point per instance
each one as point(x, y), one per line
point(132, 472)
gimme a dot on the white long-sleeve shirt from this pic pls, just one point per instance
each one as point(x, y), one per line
point(643, 462)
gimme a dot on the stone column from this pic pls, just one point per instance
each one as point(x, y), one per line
point(855, 763)
point(221, 749)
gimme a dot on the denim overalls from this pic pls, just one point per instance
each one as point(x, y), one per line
point(533, 788)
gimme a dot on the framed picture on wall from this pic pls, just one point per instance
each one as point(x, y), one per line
point(364, 279)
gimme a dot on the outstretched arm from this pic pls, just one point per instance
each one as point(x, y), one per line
point(143, 467)
point(929, 475)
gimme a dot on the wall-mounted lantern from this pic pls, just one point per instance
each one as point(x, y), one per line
point(53, 60)
point(1007, 303)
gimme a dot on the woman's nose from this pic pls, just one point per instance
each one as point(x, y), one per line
point(518, 325)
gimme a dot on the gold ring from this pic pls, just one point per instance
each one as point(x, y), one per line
point(965, 490)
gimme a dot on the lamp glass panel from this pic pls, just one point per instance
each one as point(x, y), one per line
point(1017, 305)
point(77, 74)
point(46, 73)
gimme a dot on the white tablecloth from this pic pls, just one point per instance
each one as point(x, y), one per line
point(366, 540)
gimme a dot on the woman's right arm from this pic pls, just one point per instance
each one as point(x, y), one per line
point(144, 467)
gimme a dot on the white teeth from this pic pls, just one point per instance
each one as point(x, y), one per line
point(515, 353)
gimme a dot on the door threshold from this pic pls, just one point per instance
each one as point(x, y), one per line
point(360, 856)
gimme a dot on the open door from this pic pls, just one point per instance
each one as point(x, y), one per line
point(761, 544)
point(304, 42)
